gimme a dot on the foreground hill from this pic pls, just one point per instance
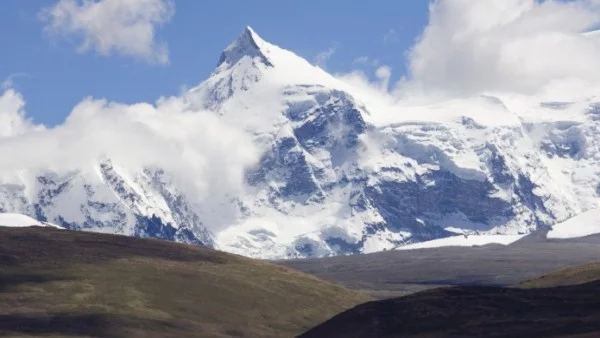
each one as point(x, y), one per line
point(473, 311)
point(63, 283)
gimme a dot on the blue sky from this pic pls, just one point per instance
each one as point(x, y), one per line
point(53, 76)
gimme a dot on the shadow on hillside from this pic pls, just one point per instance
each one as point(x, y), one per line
point(95, 325)
point(10, 280)
point(69, 325)
point(473, 311)
point(22, 246)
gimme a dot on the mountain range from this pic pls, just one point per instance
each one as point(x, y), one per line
point(340, 169)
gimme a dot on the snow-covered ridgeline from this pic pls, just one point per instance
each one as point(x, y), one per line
point(341, 171)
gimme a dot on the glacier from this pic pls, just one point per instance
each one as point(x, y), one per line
point(341, 173)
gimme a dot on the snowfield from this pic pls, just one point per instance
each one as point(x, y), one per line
point(464, 240)
point(18, 220)
point(585, 224)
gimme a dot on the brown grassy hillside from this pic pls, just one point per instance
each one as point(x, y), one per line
point(63, 283)
point(570, 276)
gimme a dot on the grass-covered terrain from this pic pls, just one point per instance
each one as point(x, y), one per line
point(570, 276)
point(473, 311)
point(564, 303)
point(56, 283)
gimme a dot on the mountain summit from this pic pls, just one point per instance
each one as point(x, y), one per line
point(337, 175)
point(248, 44)
point(251, 74)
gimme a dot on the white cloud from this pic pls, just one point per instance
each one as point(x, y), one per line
point(383, 74)
point(472, 46)
point(374, 93)
point(206, 157)
point(127, 27)
point(13, 121)
point(323, 56)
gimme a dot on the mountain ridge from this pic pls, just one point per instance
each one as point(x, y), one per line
point(338, 174)
point(247, 44)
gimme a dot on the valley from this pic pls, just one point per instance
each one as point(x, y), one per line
point(56, 282)
point(400, 272)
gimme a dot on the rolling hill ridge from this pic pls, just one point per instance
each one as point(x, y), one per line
point(57, 283)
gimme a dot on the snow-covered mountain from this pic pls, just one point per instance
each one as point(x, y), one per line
point(340, 172)
point(107, 198)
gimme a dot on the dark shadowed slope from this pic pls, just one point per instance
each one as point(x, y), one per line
point(396, 273)
point(473, 311)
point(62, 283)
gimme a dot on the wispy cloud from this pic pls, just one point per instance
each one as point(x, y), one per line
point(10, 80)
point(391, 36)
point(126, 27)
point(383, 74)
point(322, 58)
point(365, 60)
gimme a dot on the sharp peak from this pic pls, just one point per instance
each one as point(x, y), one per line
point(249, 43)
point(249, 31)
point(250, 35)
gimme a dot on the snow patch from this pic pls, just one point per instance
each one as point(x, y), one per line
point(19, 221)
point(465, 241)
point(585, 224)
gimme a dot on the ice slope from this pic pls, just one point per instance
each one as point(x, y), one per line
point(341, 171)
point(585, 224)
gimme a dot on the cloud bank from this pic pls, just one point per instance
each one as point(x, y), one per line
point(205, 156)
point(521, 51)
point(472, 46)
point(469, 47)
point(126, 27)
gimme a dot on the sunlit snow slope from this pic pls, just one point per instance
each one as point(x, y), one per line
point(18, 220)
point(585, 224)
